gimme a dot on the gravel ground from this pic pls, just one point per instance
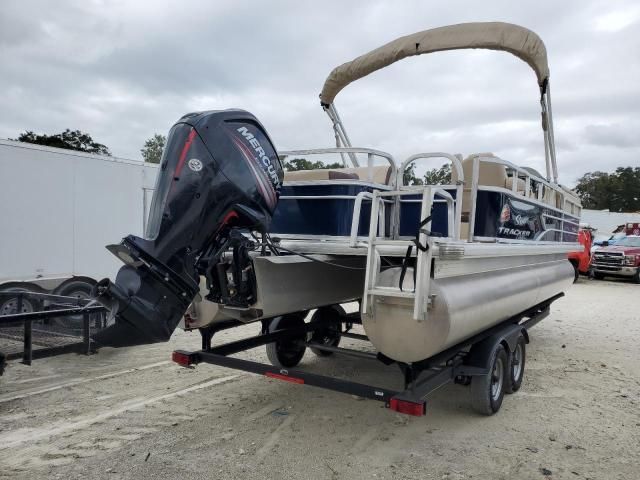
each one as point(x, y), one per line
point(130, 413)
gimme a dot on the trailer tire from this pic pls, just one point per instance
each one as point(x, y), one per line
point(286, 353)
point(329, 336)
point(487, 391)
point(598, 276)
point(9, 303)
point(516, 365)
point(636, 277)
point(78, 288)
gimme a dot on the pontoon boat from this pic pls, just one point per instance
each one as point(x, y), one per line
point(436, 269)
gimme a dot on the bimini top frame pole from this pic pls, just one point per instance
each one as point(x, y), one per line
point(519, 41)
point(342, 139)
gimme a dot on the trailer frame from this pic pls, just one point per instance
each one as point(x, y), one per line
point(66, 307)
point(453, 365)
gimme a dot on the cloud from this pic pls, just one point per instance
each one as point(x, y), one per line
point(616, 135)
point(617, 20)
point(124, 70)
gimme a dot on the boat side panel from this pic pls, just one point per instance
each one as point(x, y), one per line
point(410, 214)
point(499, 215)
point(322, 215)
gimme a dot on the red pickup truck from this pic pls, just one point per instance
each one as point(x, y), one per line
point(619, 260)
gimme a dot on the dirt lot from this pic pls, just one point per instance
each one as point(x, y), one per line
point(132, 414)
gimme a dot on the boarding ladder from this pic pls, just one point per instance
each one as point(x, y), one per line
point(421, 292)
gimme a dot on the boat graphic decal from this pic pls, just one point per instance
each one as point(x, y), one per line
point(519, 220)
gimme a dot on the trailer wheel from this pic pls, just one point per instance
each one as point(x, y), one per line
point(636, 277)
point(286, 353)
point(598, 276)
point(487, 391)
point(329, 336)
point(9, 303)
point(516, 366)
point(78, 289)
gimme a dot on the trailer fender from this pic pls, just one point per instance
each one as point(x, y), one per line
point(75, 284)
point(480, 353)
point(21, 287)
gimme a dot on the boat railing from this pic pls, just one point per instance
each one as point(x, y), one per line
point(522, 173)
point(428, 194)
point(350, 153)
point(384, 199)
point(423, 244)
point(355, 218)
point(455, 160)
point(360, 197)
point(456, 166)
point(558, 204)
point(542, 195)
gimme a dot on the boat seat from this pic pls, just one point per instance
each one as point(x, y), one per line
point(489, 174)
point(567, 206)
point(377, 174)
point(520, 188)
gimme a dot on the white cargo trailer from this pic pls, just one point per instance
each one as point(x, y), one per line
point(59, 208)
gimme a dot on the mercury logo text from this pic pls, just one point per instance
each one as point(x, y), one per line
point(261, 155)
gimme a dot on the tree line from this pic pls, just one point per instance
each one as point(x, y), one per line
point(618, 191)
point(83, 142)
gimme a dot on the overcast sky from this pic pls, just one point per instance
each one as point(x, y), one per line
point(122, 70)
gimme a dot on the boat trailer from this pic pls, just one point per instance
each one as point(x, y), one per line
point(21, 339)
point(473, 358)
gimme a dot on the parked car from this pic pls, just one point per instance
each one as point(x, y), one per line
point(619, 260)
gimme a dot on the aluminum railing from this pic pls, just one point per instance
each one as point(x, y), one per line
point(456, 165)
point(518, 173)
point(542, 195)
point(371, 155)
point(420, 293)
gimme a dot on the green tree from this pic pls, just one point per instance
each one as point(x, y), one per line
point(409, 176)
point(435, 176)
point(438, 176)
point(618, 191)
point(296, 164)
point(153, 147)
point(594, 190)
point(69, 139)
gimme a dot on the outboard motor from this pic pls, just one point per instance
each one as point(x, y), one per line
point(220, 175)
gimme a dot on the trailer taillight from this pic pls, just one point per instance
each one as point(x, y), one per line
point(183, 358)
point(285, 378)
point(409, 408)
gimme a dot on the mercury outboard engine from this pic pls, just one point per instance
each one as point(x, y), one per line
point(220, 175)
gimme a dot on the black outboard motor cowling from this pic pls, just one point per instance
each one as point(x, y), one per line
point(219, 173)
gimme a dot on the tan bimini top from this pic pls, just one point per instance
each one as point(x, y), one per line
point(519, 41)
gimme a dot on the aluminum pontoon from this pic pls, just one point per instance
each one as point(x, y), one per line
point(444, 274)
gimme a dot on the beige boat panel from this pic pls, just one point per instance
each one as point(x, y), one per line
point(377, 174)
point(519, 41)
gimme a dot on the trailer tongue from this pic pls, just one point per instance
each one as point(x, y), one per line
point(219, 173)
